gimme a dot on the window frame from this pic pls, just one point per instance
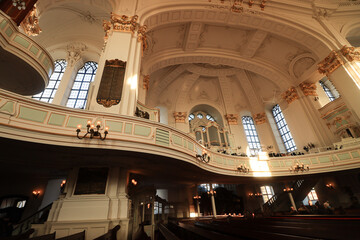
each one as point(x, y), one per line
point(251, 134)
point(283, 129)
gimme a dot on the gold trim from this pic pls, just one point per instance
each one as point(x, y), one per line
point(107, 102)
point(290, 95)
point(146, 82)
point(259, 118)
point(232, 119)
point(309, 89)
point(330, 63)
point(351, 53)
point(180, 117)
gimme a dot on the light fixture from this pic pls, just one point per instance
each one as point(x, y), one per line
point(256, 195)
point(36, 193)
point(330, 186)
point(197, 197)
point(20, 4)
point(62, 186)
point(211, 192)
point(134, 182)
point(243, 168)
point(299, 168)
point(288, 190)
point(94, 132)
point(204, 157)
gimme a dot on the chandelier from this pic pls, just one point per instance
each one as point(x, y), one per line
point(299, 168)
point(92, 130)
point(20, 4)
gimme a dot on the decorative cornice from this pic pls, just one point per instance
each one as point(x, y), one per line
point(330, 63)
point(180, 117)
point(309, 89)
point(232, 119)
point(107, 102)
point(146, 82)
point(259, 118)
point(119, 23)
point(351, 53)
point(290, 95)
point(30, 24)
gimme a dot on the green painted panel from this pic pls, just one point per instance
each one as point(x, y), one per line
point(314, 161)
point(325, 159)
point(225, 161)
point(191, 146)
point(282, 164)
point(231, 162)
point(8, 107)
point(9, 32)
point(34, 50)
point(162, 137)
point(344, 156)
point(114, 126)
point(306, 161)
point(241, 162)
point(32, 114)
point(142, 131)
point(289, 163)
point(128, 128)
point(355, 154)
point(274, 163)
point(56, 119)
point(185, 143)
point(2, 24)
point(334, 158)
point(73, 122)
point(46, 62)
point(22, 41)
point(218, 160)
point(41, 55)
point(177, 140)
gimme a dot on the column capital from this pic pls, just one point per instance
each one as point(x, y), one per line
point(146, 82)
point(330, 63)
point(180, 117)
point(290, 95)
point(351, 53)
point(74, 51)
point(259, 118)
point(309, 89)
point(232, 119)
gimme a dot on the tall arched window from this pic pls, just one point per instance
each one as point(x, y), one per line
point(251, 134)
point(283, 129)
point(48, 94)
point(327, 91)
point(80, 89)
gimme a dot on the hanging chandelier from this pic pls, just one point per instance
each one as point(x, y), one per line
point(20, 4)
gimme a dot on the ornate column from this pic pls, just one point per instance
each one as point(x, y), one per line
point(180, 121)
point(119, 66)
point(74, 63)
point(341, 68)
point(212, 194)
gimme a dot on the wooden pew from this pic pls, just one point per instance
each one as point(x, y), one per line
point(110, 235)
point(24, 235)
point(50, 236)
point(76, 236)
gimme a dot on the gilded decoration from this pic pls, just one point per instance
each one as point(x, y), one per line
point(146, 82)
point(107, 102)
point(30, 24)
point(259, 118)
point(290, 95)
point(180, 117)
point(351, 53)
point(236, 6)
point(330, 63)
point(309, 89)
point(142, 37)
point(232, 119)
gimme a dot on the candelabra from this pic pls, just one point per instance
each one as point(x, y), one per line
point(288, 190)
point(256, 195)
point(243, 168)
point(197, 197)
point(299, 168)
point(211, 192)
point(330, 186)
point(94, 132)
point(204, 157)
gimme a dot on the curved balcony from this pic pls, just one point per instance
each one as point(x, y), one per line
point(25, 66)
point(34, 121)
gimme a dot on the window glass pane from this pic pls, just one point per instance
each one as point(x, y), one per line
point(251, 134)
point(267, 192)
point(283, 129)
point(86, 74)
point(49, 92)
point(327, 91)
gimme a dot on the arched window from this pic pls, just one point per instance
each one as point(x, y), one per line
point(251, 134)
point(80, 89)
point(327, 91)
point(283, 129)
point(48, 94)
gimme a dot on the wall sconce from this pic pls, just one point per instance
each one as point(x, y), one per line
point(197, 197)
point(62, 186)
point(288, 190)
point(134, 182)
point(36, 193)
point(256, 195)
point(299, 168)
point(204, 157)
point(94, 132)
point(330, 186)
point(211, 192)
point(243, 168)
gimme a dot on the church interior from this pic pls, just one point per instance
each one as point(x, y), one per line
point(179, 119)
